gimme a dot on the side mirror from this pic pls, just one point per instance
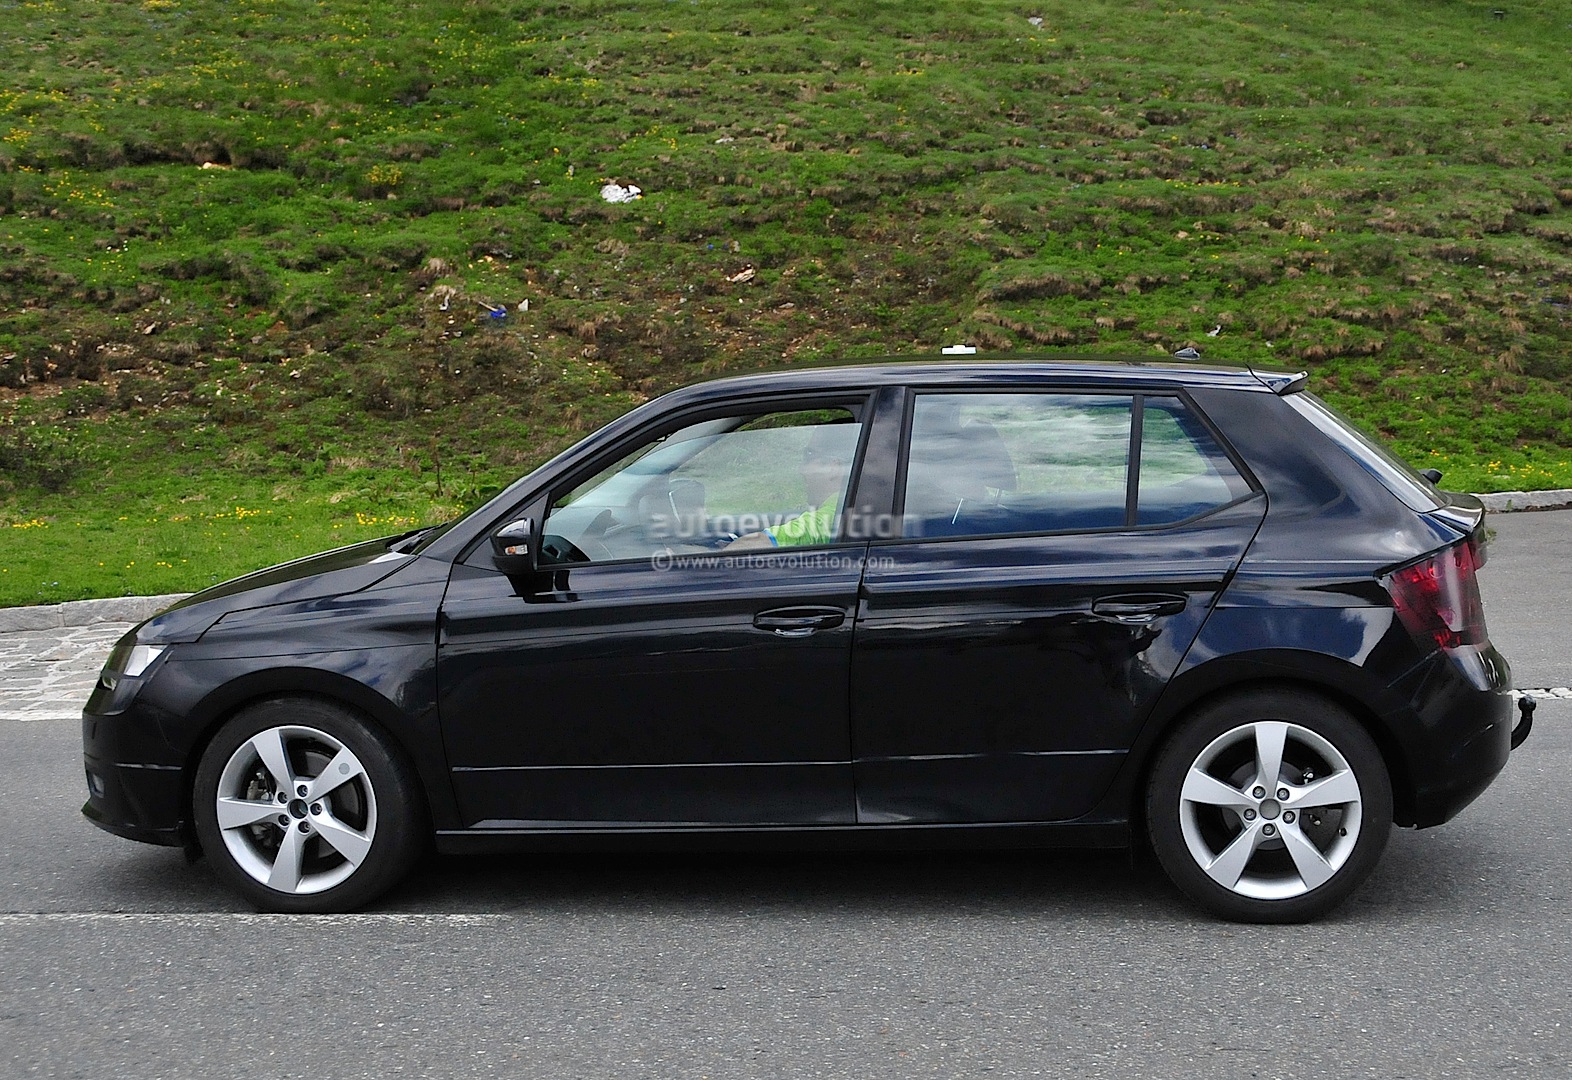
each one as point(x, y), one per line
point(513, 547)
point(1433, 475)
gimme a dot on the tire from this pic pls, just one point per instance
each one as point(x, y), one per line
point(1286, 851)
point(303, 806)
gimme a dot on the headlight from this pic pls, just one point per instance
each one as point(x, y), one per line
point(141, 658)
point(129, 661)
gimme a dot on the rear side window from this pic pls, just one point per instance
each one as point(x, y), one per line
point(1001, 464)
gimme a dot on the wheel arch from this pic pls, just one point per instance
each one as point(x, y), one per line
point(1337, 681)
point(223, 704)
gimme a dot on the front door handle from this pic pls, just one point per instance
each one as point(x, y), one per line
point(1138, 609)
point(798, 622)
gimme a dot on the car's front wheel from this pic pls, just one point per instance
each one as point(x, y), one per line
point(305, 807)
point(1269, 806)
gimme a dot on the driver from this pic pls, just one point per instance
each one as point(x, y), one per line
point(826, 462)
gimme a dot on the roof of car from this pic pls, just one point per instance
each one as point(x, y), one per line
point(1002, 370)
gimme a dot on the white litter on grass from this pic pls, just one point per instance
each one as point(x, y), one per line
point(957, 350)
point(1036, 20)
point(616, 193)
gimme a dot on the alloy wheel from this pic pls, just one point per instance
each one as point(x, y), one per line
point(1270, 810)
point(296, 809)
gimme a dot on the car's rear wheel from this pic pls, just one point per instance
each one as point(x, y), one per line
point(305, 807)
point(1269, 806)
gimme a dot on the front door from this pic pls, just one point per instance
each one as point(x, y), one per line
point(683, 657)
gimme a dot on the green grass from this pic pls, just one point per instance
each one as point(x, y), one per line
point(253, 247)
point(171, 548)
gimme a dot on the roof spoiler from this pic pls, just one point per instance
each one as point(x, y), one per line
point(1282, 383)
point(1278, 382)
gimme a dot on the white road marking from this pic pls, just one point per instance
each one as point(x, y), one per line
point(220, 918)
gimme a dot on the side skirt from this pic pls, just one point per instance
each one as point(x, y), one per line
point(501, 837)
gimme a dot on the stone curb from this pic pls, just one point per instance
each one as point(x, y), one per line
point(123, 609)
point(131, 609)
point(1504, 502)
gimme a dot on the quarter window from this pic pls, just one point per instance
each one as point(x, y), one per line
point(1183, 470)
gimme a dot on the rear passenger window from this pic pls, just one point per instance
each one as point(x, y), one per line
point(997, 464)
point(984, 464)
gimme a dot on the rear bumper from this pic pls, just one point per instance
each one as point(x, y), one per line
point(1466, 731)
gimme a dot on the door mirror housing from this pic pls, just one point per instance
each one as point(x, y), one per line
point(513, 547)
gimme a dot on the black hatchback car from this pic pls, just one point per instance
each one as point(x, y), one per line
point(1045, 603)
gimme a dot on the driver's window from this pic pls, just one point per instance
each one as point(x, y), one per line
point(756, 480)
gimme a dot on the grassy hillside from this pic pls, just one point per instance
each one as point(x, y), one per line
point(263, 263)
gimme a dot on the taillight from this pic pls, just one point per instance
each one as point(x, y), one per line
point(1437, 599)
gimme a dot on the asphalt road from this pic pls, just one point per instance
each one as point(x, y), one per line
point(118, 959)
point(1527, 586)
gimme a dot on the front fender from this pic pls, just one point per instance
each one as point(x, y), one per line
point(393, 687)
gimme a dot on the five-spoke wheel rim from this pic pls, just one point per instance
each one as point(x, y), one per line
point(296, 809)
point(1270, 810)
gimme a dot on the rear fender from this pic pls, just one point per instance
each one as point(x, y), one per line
point(1378, 705)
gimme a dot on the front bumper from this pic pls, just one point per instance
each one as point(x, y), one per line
point(133, 790)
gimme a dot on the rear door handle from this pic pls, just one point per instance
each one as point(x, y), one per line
point(1137, 609)
point(798, 622)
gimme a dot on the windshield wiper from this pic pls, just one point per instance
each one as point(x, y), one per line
point(406, 544)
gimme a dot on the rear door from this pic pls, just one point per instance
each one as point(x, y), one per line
point(1059, 553)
